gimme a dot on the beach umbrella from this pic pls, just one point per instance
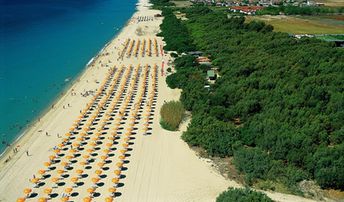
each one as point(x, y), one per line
point(34, 180)
point(20, 199)
point(108, 199)
point(112, 189)
point(60, 171)
point(123, 151)
point(98, 172)
point(65, 199)
point(87, 199)
point(103, 157)
point(125, 145)
point(95, 179)
point(74, 179)
point(27, 191)
point(79, 171)
point(122, 157)
point(83, 163)
point(41, 172)
point(90, 190)
point(52, 157)
point(47, 164)
point(68, 190)
point(42, 199)
point(101, 164)
point(55, 179)
point(119, 164)
point(117, 172)
point(48, 190)
point(115, 180)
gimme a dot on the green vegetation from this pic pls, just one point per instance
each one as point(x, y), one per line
point(171, 115)
point(175, 33)
point(278, 106)
point(299, 10)
point(242, 195)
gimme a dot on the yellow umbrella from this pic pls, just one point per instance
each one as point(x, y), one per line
point(74, 179)
point(112, 189)
point(98, 172)
point(119, 164)
point(68, 190)
point(47, 164)
point(42, 199)
point(90, 190)
point(121, 157)
point(87, 199)
point(117, 172)
point(54, 179)
point(34, 180)
point(27, 191)
point(101, 164)
point(108, 199)
point(115, 180)
point(20, 199)
point(41, 172)
point(65, 199)
point(79, 171)
point(60, 171)
point(52, 157)
point(95, 179)
point(48, 190)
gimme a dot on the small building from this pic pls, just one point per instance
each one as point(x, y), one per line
point(248, 10)
point(195, 53)
point(203, 60)
point(211, 75)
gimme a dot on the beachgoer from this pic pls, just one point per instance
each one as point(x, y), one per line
point(27, 153)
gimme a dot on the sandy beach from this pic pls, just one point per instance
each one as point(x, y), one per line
point(102, 140)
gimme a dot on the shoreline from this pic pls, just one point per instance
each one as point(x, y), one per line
point(61, 95)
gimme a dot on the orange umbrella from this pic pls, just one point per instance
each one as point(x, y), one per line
point(103, 157)
point(41, 172)
point(95, 179)
point(121, 157)
point(101, 164)
point(98, 172)
point(74, 179)
point(68, 190)
point(79, 171)
point(119, 164)
point(55, 179)
point(82, 163)
point(60, 171)
point(115, 180)
point(48, 190)
point(112, 189)
point(90, 190)
point(27, 191)
point(65, 199)
point(86, 156)
point(34, 180)
point(47, 164)
point(64, 164)
point(87, 199)
point(42, 199)
point(20, 199)
point(52, 157)
point(108, 199)
point(117, 172)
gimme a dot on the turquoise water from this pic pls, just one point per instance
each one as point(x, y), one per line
point(43, 46)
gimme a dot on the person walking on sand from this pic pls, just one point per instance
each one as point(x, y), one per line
point(27, 153)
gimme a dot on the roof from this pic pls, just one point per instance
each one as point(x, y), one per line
point(211, 73)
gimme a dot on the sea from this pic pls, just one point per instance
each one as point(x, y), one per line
point(44, 46)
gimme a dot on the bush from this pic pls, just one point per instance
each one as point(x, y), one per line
point(242, 195)
point(171, 115)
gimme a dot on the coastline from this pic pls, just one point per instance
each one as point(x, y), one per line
point(59, 97)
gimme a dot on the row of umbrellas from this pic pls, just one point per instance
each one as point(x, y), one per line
point(96, 137)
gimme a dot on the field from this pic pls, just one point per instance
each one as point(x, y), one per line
point(333, 3)
point(304, 25)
